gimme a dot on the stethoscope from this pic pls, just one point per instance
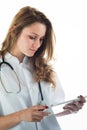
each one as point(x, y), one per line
point(39, 84)
point(11, 67)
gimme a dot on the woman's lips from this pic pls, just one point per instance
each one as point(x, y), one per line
point(33, 50)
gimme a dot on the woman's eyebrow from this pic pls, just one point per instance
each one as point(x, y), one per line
point(38, 34)
point(35, 33)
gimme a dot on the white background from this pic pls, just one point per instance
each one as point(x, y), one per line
point(69, 19)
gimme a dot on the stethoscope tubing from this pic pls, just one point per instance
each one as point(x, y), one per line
point(39, 85)
point(4, 62)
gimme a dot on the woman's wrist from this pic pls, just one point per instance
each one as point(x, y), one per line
point(20, 116)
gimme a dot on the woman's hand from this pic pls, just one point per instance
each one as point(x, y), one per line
point(72, 107)
point(76, 105)
point(34, 113)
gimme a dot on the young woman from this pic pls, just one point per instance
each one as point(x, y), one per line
point(28, 83)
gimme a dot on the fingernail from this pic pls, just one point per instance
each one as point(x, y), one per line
point(41, 109)
point(46, 107)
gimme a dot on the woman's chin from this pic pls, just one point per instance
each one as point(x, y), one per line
point(30, 55)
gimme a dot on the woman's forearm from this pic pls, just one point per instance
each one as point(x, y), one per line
point(9, 121)
point(63, 113)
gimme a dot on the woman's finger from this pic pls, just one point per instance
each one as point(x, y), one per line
point(40, 107)
point(71, 108)
point(77, 104)
point(82, 99)
point(39, 115)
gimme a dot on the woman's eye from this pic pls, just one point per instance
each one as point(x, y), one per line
point(31, 37)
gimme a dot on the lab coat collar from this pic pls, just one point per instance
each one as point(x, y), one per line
point(12, 58)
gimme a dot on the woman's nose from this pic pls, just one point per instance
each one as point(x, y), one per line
point(37, 44)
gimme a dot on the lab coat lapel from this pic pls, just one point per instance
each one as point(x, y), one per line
point(32, 86)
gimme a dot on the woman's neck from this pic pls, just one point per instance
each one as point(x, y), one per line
point(17, 54)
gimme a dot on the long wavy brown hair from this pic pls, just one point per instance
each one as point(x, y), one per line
point(26, 16)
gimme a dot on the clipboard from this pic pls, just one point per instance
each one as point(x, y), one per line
point(68, 101)
point(59, 106)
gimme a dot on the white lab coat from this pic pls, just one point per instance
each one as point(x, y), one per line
point(29, 95)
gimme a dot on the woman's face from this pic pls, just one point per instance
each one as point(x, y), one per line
point(30, 39)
